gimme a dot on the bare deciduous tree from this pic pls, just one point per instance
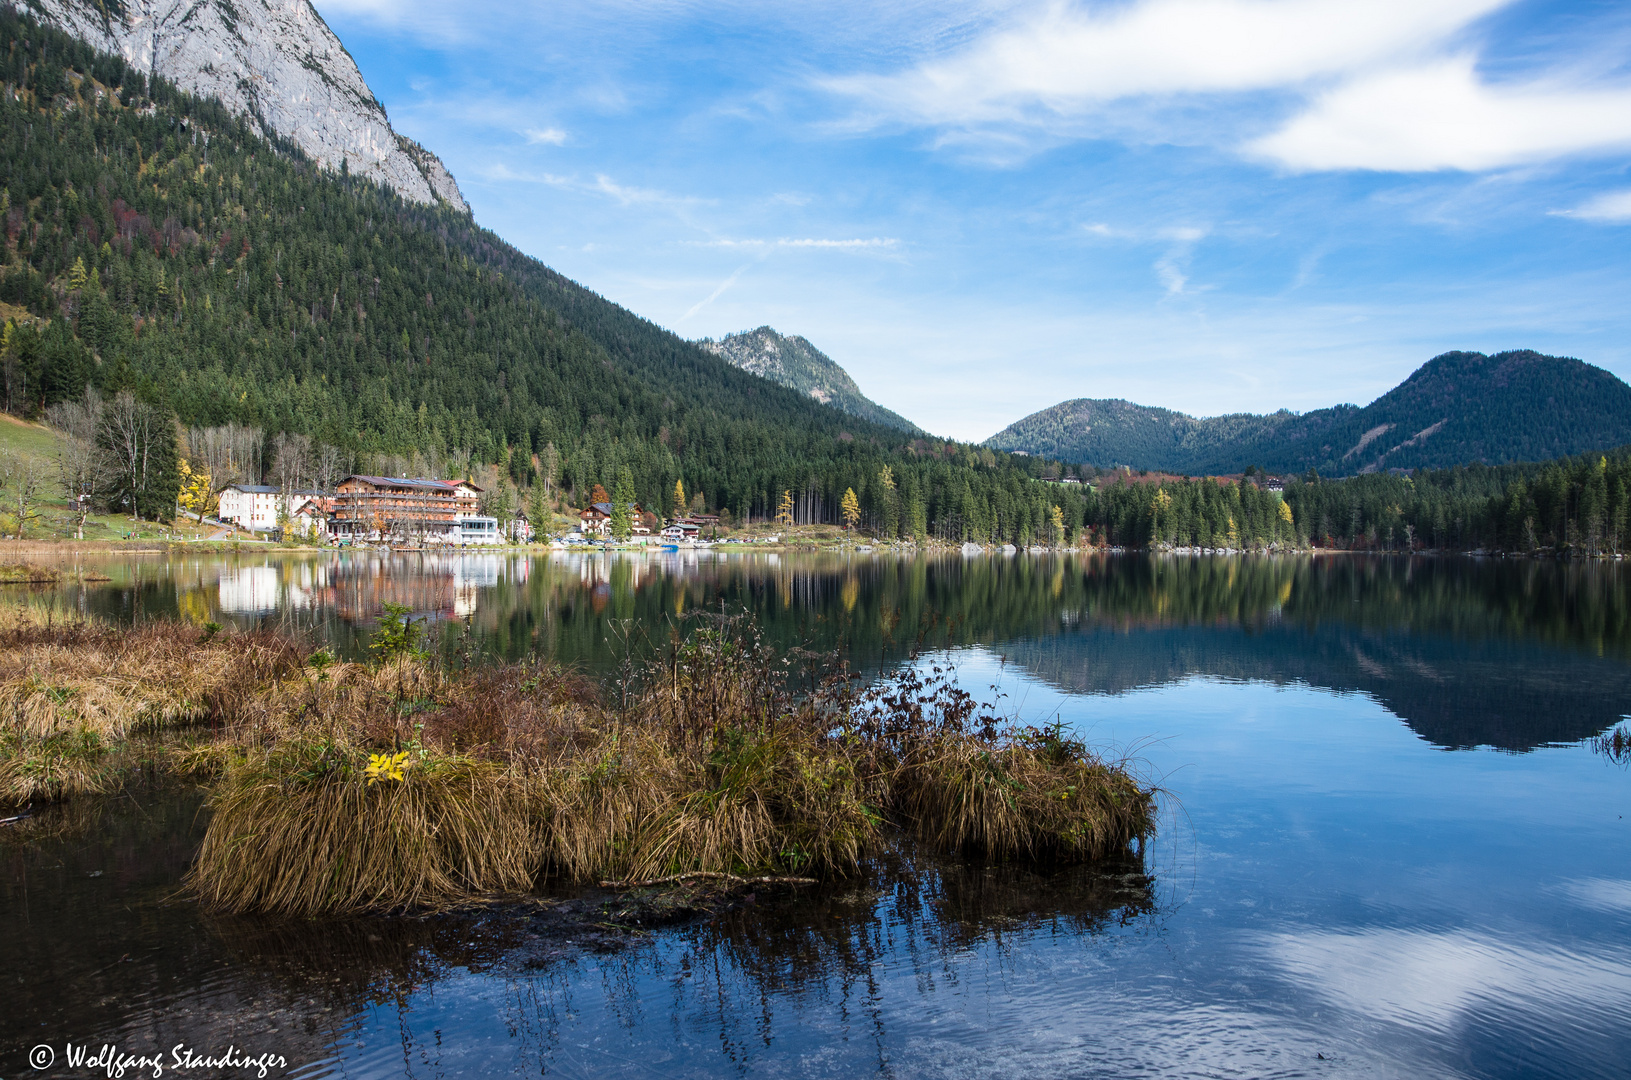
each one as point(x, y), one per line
point(231, 454)
point(330, 466)
point(80, 463)
point(23, 480)
point(126, 433)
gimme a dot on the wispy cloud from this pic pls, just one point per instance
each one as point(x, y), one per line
point(1611, 207)
point(549, 136)
point(716, 294)
point(603, 185)
point(1061, 60)
point(1385, 85)
point(871, 243)
point(1443, 116)
point(628, 195)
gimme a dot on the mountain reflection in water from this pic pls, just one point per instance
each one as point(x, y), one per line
point(1512, 654)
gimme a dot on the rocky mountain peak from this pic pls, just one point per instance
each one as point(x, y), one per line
point(274, 61)
point(795, 363)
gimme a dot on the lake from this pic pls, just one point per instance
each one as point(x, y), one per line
point(1388, 847)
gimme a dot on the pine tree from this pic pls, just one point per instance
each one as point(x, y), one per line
point(888, 504)
point(623, 505)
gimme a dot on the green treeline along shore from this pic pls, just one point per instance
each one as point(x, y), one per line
point(402, 783)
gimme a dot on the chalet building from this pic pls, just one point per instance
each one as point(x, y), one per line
point(260, 507)
point(596, 519)
point(310, 518)
point(681, 530)
point(380, 507)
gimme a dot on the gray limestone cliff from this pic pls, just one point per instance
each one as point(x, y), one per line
point(794, 362)
point(273, 61)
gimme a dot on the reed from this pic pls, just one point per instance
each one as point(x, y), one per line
point(58, 766)
point(299, 831)
point(403, 783)
point(79, 676)
point(28, 574)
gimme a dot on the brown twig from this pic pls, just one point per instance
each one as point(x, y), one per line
point(707, 875)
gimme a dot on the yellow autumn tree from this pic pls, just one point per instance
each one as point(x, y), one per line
point(679, 498)
point(850, 509)
point(197, 493)
point(1056, 519)
point(784, 510)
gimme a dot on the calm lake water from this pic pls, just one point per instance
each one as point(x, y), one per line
point(1389, 847)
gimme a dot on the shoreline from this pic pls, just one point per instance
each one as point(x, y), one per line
point(65, 548)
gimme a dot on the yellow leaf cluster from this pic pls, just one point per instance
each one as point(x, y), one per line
point(386, 767)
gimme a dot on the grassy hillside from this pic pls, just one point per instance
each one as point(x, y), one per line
point(1458, 408)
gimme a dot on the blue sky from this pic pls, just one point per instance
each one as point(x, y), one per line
point(981, 209)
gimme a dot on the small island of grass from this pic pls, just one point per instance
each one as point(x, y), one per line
point(404, 783)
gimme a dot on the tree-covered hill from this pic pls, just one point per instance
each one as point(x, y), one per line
point(1458, 408)
point(154, 244)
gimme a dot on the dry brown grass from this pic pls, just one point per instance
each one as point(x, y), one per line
point(28, 574)
point(73, 692)
point(299, 831)
point(81, 676)
point(516, 771)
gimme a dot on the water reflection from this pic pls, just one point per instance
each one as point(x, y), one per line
point(1506, 653)
point(1332, 896)
point(103, 951)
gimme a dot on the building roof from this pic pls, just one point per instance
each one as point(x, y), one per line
point(404, 481)
point(269, 489)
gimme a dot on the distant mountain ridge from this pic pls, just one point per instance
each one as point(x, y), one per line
point(274, 62)
point(1458, 408)
point(795, 363)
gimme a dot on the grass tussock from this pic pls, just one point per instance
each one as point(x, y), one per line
point(401, 783)
point(28, 574)
point(299, 830)
point(72, 693)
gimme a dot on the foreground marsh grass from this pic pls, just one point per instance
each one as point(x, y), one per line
point(404, 783)
point(74, 694)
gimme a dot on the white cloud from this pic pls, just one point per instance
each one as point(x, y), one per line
point(1063, 61)
point(552, 136)
point(1613, 207)
point(803, 242)
point(1441, 116)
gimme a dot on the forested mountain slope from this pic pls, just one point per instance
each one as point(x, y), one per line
point(1458, 408)
point(154, 242)
point(276, 64)
point(794, 362)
